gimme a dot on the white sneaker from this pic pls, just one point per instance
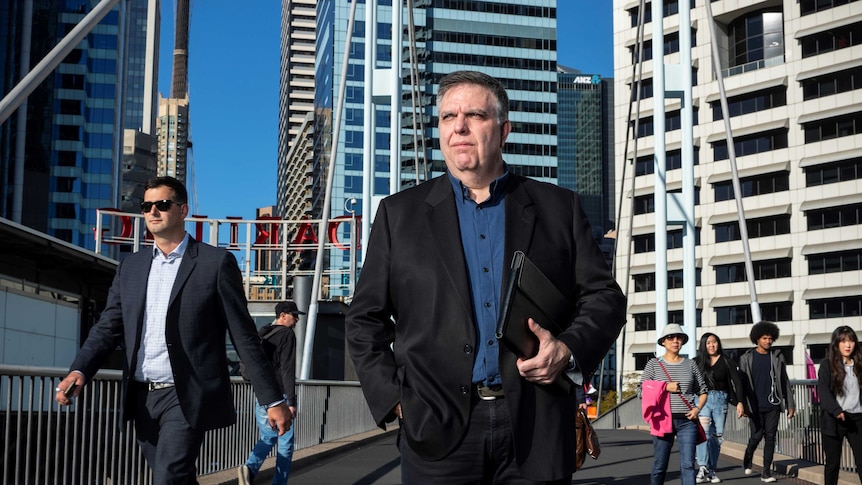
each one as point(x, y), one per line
point(244, 476)
point(768, 479)
point(749, 471)
point(702, 475)
point(713, 478)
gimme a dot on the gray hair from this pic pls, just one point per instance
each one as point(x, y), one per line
point(492, 84)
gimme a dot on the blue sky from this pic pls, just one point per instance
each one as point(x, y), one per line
point(233, 84)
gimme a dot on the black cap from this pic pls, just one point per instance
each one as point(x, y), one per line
point(287, 307)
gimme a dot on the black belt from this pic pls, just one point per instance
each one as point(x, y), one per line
point(156, 386)
point(489, 393)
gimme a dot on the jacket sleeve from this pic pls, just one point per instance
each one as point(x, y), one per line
point(785, 384)
point(287, 366)
point(105, 336)
point(828, 402)
point(736, 395)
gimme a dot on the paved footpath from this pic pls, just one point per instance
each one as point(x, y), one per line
point(626, 459)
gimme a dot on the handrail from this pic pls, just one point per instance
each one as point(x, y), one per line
point(83, 443)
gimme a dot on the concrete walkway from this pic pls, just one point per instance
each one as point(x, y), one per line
point(626, 459)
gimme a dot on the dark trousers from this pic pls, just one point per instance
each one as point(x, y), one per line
point(850, 428)
point(764, 426)
point(168, 442)
point(485, 456)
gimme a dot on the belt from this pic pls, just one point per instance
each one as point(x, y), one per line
point(156, 386)
point(486, 393)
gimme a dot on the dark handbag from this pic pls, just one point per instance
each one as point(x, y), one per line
point(586, 439)
point(701, 434)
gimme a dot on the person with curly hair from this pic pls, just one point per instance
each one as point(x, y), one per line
point(839, 382)
point(768, 393)
point(722, 379)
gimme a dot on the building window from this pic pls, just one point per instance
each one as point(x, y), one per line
point(835, 262)
point(832, 83)
point(644, 321)
point(65, 184)
point(646, 281)
point(833, 172)
point(66, 158)
point(644, 204)
point(741, 314)
point(846, 215)
point(807, 7)
point(752, 144)
point(763, 270)
point(848, 306)
point(831, 40)
point(673, 161)
point(65, 211)
point(762, 227)
point(70, 132)
point(835, 127)
point(678, 316)
point(751, 186)
point(751, 103)
point(645, 243)
point(642, 359)
point(756, 36)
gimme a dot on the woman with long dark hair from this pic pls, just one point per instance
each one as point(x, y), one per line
point(722, 380)
point(839, 382)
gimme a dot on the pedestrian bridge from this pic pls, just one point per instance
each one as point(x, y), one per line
point(81, 444)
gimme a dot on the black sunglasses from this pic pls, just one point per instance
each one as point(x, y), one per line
point(162, 205)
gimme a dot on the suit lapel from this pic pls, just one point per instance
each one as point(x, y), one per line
point(186, 266)
point(520, 220)
point(442, 218)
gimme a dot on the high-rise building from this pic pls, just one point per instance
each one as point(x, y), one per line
point(173, 126)
point(585, 143)
point(59, 162)
point(791, 71)
point(514, 41)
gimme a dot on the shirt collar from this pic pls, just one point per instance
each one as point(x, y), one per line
point(178, 251)
point(498, 186)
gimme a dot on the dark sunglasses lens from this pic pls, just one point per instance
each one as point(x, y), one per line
point(162, 205)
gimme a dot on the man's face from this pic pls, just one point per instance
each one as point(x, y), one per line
point(168, 222)
point(765, 342)
point(288, 319)
point(471, 136)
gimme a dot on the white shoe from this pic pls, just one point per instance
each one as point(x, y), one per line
point(749, 471)
point(702, 475)
point(244, 476)
point(713, 478)
point(768, 479)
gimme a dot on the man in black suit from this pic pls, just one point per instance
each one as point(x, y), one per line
point(168, 308)
point(421, 325)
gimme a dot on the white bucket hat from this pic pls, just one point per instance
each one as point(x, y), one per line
point(672, 329)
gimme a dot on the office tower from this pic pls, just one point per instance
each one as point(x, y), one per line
point(791, 71)
point(513, 41)
point(138, 165)
point(173, 124)
point(585, 143)
point(59, 161)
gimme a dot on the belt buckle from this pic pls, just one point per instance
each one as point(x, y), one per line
point(157, 386)
point(486, 393)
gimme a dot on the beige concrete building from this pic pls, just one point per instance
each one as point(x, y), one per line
point(793, 75)
point(172, 127)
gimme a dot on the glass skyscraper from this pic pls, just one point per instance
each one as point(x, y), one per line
point(72, 135)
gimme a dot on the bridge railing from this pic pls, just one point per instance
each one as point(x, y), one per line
point(44, 443)
point(799, 437)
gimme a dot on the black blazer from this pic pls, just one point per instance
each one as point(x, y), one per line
point(829, 407)
point(415, 275)
point(207, 298)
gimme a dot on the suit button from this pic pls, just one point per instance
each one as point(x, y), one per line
point(465, 390)
point(468, 349)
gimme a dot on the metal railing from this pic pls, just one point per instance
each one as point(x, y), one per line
point(799, 437)
point(44, 443)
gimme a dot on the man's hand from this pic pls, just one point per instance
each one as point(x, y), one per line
point(292, 412)
point(74, 378)
point(740, 410)
point(790, 413)
point(279, 418)
point(397, 411)
point(549, 362)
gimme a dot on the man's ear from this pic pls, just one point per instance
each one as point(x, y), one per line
point(505, 129)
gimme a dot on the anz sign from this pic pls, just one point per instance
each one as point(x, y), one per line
point(594, 79)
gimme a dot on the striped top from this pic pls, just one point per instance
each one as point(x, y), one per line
point(686, 373)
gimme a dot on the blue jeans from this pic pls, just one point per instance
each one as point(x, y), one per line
point(712, 417)
point(268, 438)
point(686, 432)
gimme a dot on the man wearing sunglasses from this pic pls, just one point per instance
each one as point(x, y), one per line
point(168, 308)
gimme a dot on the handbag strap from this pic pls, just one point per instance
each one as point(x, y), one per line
point(682, 396)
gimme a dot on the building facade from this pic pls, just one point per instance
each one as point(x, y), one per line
point(59, 162)
point(792, 74)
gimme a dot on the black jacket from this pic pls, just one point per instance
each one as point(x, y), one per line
point(829, 407)
point(279, 345)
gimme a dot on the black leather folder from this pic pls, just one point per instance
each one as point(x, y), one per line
point(530, 294)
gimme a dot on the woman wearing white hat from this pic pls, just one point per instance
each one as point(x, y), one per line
point(685, 384)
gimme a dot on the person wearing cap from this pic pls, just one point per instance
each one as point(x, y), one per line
point(768, 393)
point(688, 392)
point(279, 345)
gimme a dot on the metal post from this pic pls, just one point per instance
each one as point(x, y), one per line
point(660, 170)
point(368, 141)
point(395, 100)
point(689, 269)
